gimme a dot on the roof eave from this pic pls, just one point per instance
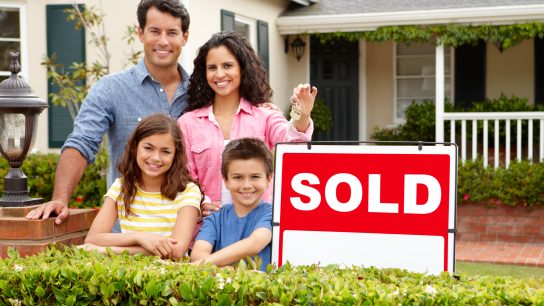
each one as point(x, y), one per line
point(371, 21)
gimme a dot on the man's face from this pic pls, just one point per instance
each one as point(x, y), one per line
point(162, 39)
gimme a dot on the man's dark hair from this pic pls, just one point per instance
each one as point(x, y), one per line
point(245, 149)
point(172, 7)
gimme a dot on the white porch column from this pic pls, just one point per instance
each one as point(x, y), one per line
point(439, 91)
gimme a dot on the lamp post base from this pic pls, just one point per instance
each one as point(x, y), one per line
point(19, 201)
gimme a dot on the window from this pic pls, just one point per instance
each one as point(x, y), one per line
point(415, 75)
point(256, 31)
point(11, 37)
point(246, 27)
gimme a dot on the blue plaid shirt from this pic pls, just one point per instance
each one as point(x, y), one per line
point(114, 106)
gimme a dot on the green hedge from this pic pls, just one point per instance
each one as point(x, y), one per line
point(40, 170)
point(520, 184)
point(73, 276)
point(420, 119)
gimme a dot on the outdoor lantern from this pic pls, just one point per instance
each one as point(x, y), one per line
point(19, 110)
point(298, 47)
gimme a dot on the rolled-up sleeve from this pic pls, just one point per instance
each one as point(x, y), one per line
point(93, 120)
point(279, 130)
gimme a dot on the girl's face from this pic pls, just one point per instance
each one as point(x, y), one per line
point(223, 72)
point(155, 155)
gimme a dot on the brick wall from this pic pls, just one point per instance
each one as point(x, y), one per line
point(500, 223)
point(32, 236)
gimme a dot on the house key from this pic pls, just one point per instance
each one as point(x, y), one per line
point(295, 113)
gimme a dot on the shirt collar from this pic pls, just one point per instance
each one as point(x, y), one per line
point(142, 73)
point(205, 111)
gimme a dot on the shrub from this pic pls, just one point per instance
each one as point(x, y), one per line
point(321, 116)
point(420, 120)
point(419, 125)
point(74, 276)
point(40, 170)
point(520, 184)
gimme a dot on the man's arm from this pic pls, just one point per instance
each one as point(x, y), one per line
point(249, 246)
point(68, 174)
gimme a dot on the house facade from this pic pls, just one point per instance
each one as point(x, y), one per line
point(39, 28)
point(391, 74)
point(367, 84)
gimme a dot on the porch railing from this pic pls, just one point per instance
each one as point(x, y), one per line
point(518, 122)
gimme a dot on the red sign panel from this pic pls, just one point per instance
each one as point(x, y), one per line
point(397, 195)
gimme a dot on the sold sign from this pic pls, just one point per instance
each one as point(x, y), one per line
point(383, 206)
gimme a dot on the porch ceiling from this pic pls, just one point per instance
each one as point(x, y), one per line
point(367, 15)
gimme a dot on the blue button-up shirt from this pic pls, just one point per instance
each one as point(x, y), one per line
point(115, 105)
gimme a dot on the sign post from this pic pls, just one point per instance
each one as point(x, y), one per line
point(370, 205)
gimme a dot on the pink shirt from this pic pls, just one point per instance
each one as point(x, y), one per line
point(204, 140)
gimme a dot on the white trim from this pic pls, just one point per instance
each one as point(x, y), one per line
point(23, 37)
point(302, 2)
point(371, 21)
point(439, 93)
point(252, 24)
point(362, 90)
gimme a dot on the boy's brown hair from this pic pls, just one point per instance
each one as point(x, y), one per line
point(244, 149)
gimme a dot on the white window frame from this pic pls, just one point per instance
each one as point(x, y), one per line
point(252, 23)
point(401, 120)
point(22, 39)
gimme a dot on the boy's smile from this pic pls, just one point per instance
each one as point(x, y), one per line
point(247, 181)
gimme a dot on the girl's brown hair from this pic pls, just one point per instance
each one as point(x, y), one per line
point(177, 177)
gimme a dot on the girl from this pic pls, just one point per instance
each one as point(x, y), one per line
point(227, 84)
point(155, 199)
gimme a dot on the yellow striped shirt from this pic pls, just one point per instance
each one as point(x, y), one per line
point(152, 212)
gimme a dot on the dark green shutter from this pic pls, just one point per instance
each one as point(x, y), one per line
point(539, 71)
point(262, 44)
point(470, 74)
point(69, 46)
point(227, 20)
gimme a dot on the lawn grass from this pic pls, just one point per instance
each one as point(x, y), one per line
point(472, 269)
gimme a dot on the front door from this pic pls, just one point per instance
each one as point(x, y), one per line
point(334, 71)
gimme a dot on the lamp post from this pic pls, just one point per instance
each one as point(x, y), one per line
point(19, 110)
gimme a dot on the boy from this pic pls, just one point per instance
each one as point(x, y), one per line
point(243, 228)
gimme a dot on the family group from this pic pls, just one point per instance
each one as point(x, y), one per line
point(190, 159)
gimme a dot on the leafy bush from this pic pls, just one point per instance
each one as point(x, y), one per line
point(321, 116)
point(74, 276)
point(419, 125)
point(420, 119)
point(40, 170)
point(520, 184)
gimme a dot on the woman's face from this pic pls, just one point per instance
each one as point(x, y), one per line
point(223, 72)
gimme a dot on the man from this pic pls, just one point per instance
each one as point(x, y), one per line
point(117, 102)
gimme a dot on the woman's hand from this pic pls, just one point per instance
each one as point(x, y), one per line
point(304, 95)
point(158, 245)
point(207, 208)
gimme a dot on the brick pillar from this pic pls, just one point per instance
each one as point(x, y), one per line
point(33, 236)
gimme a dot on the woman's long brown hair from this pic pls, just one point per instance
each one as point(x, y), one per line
point(177, 177)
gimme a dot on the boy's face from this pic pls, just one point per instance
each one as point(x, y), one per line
point(247, 181)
